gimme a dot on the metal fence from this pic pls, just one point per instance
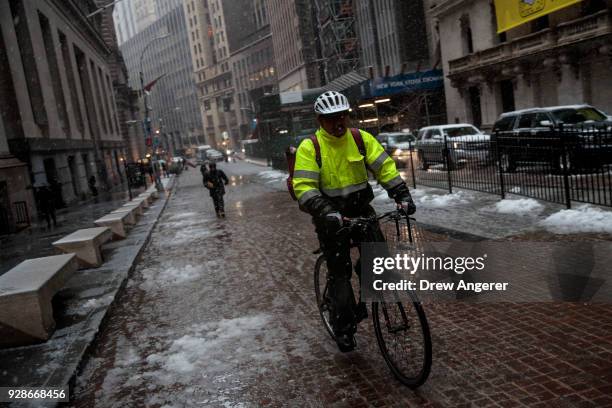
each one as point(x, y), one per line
point(558, 165)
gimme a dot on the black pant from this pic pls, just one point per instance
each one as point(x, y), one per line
point(336, 249)
point(49, 215)
point(217, 198)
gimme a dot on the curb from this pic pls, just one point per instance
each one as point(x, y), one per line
point(57, 362)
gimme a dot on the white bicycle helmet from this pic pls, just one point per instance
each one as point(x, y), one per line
point(331, 102)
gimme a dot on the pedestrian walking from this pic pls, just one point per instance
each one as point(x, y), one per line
point(164, 169)
point(46, 204)
point(92, 185)
point(215, 181)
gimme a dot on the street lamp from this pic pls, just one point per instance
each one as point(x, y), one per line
point(147, 120)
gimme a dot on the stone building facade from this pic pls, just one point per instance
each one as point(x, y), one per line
point(562, 58)
point(294, 36)
point(59, 112)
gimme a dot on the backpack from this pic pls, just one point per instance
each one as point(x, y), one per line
point(291, 151)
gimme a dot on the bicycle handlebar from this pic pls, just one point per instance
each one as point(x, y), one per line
point(398, 213)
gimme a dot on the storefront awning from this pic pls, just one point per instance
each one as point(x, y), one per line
point(345, 82)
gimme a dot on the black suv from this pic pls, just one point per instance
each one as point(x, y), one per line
point(540, 135)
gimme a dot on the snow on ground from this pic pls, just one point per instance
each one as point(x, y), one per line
point(442, 201)
point(184, 215)
point(380, 194)
point(205, 346)
point(522, 206)
point(581, 219)
point(164, 275)
point(273, 174)
point(188, 235)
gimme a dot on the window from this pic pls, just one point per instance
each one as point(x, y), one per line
point(461, 131)
point(540, 23)
point(424, 134)
point(504, 124)
point(507, 95)
point(578, 115)
point(526, 120)
point(466, 34)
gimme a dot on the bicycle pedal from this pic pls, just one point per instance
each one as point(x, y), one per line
point(346, 343)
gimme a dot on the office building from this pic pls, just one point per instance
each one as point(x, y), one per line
point(295, 40)
point(161, 51)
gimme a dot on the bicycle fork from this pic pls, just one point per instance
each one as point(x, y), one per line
point(403, 325)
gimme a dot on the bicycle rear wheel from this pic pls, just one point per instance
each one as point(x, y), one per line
point(321, 285)
point(402, 333)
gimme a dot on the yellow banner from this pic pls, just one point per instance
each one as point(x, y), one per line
point(513, 13)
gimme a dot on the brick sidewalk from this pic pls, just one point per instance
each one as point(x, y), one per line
point(258, 263)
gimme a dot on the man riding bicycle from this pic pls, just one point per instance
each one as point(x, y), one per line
point(330, 181)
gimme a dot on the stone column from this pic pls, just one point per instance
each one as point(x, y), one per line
point(70, 104)
point(524, 92)
point(490, 102)
point(570, 88)
point(30, 129)
point(81, 174)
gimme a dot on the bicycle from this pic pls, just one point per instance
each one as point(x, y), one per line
point(399, 319)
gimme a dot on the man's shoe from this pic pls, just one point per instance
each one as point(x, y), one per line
point(222, 214)
point(346, 342)
point(361, 312)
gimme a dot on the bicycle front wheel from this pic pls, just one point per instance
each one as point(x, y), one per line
point(321, 284)
point(404, 339)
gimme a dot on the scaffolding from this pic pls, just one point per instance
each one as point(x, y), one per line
point(338, 37)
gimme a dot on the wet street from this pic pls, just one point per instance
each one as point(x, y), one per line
point(221, 313)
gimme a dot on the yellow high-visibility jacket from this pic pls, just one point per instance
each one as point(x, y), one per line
point(343, 171)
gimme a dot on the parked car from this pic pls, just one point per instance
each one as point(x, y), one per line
point(534, 136)
point(201, 154)
point(465, 142)
point(398, 145)
point(214, 155)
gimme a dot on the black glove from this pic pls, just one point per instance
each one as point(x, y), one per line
point(402, 196)
point(318, 206)
point(333, 220)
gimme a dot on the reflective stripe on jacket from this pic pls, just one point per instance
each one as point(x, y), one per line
point(343, 170)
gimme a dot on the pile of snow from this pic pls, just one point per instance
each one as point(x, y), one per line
point(188, 235)
point(442, 201)
point(272, 174)
point(582, 219)
point(521, 206)
point(164, 275)
point(206, 346)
